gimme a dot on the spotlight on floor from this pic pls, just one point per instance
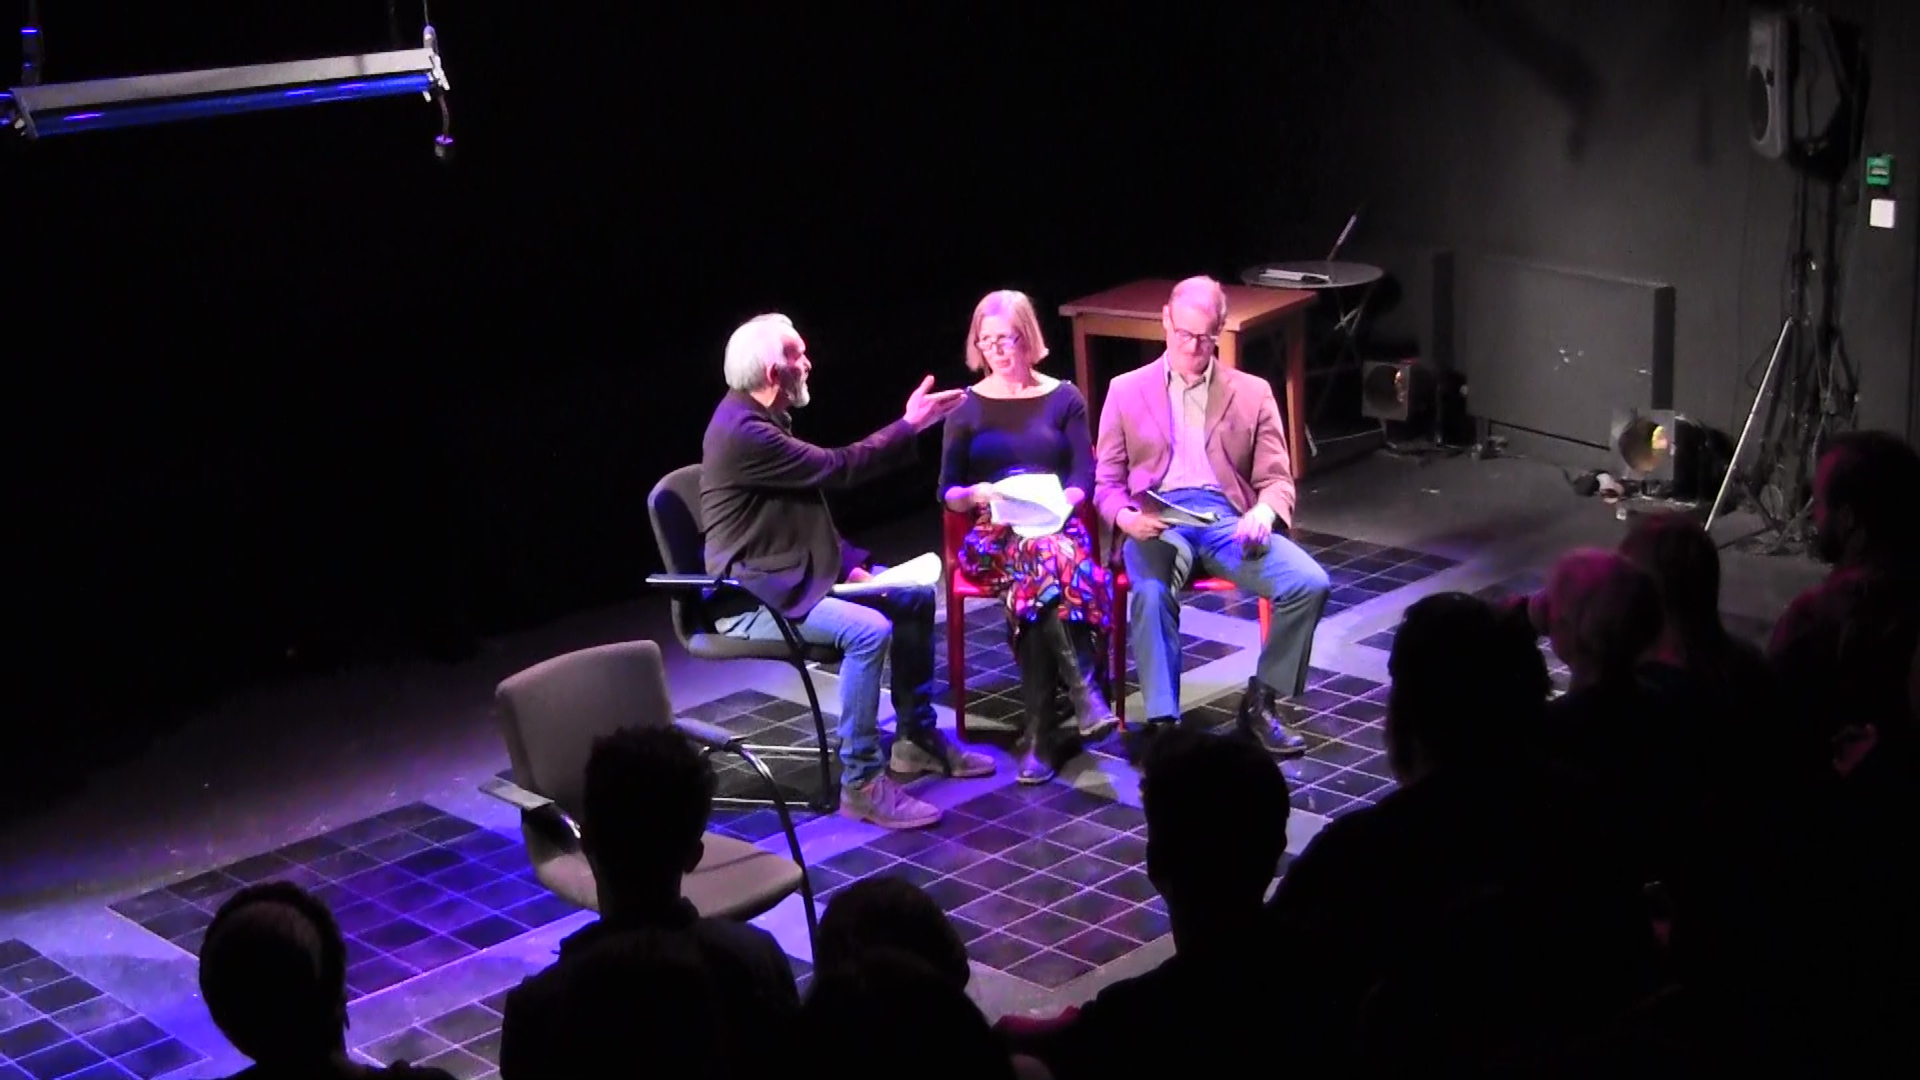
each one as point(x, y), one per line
point(1664, 451)
point(1394, 390)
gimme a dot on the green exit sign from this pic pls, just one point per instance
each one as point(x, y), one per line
point(1880, 171)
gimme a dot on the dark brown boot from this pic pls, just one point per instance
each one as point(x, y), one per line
point(1091, 713)
point(1038, 679)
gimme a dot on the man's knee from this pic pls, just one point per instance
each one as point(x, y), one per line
point(916, 602)
point(1311, 579)
point(867, 633)
point(1290, 574)
point(1151, 594)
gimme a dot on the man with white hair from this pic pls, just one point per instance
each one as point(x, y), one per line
point(763, 498)
point(1207, 439)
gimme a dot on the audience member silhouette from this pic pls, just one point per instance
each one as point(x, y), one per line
point(1843, 647)
point(890, 913)
point(1481, 901)
point(907, 1015)
point(1216, 812)
point(1612, 727)
point(1844, 653)
point(642, 1003)
point(1693, 653)
point(648, 796)
point(273, 972)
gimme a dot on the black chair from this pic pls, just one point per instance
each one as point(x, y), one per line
point(674, 507)
point(551, 713)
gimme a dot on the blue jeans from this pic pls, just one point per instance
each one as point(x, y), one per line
point(868, 630)
point(1158, 569)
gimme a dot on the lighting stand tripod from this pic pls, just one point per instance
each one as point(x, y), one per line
point(1746, 429)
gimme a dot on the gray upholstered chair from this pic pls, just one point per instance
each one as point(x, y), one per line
point(552, 712)
point(674, 507)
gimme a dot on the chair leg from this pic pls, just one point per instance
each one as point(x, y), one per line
point(1117, 644)
point(829, 797)
point(957, 661)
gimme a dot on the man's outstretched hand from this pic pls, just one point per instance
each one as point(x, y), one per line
point(927, 406)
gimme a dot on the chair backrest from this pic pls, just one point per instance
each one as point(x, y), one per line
point(552, 712)
point(678, 529)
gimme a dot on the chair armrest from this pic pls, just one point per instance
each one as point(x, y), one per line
point(690, 581)
point(531, 804)
point(514, 795)
point(711, 736)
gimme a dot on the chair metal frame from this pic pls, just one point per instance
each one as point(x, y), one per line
point(696, 589)
point(712, 739)
point(699, 586)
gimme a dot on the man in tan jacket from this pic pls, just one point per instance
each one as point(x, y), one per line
point(1207, 439)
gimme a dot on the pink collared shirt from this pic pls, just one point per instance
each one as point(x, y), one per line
point(1187, 410)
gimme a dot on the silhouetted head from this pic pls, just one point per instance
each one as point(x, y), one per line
point(890, 913)
point(1216, 812)
point(1866, 491)
point(273, 972)
point(1602, 614)
point(1676, 552)
point(904, 1011)
point(649, 794)
point(1468, 685)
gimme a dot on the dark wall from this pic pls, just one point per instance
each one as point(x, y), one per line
point(291, 394)
point(1611, 139)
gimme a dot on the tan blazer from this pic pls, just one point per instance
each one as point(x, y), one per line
point(1246, 442)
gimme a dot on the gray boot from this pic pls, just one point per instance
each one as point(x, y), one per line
point(1091, 713)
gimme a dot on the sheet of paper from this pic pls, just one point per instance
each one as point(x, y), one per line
point(1034, 504)
point(1153, 504)
point(917, 572)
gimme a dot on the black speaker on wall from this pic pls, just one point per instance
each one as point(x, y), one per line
point(1769, 75)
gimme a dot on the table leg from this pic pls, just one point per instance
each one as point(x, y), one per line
point(1299, 444)
point(1082, 373)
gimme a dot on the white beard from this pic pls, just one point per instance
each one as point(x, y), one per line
point(798, 396)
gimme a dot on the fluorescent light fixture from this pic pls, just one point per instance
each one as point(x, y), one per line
point(48, 109)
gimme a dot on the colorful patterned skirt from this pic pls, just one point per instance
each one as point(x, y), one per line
point(1030, 573)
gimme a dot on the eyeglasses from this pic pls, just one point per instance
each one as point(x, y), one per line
point(998, 342)
point(1188, 337)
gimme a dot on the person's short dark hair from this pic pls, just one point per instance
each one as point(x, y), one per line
point(648, 797)
point(1216, 810)
point(890, 913)
point(1467, 684)
point(273, 972)
point(1877, 476)
point(1676, 551)
point(905, 1010)
point(1602, 610)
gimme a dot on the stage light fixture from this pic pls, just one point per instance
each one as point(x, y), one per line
point(1394, 390)
point(38, 110)
point(1666, 452)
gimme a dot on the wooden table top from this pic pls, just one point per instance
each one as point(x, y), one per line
point(1247, 305)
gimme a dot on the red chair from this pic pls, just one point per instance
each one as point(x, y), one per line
point(954, 528)
point(1118, 639)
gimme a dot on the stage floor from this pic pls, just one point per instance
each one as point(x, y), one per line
point(365, 786)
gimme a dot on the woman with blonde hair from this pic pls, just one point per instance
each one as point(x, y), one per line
point(1016, 420)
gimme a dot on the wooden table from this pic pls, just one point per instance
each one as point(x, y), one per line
point(1133, 311)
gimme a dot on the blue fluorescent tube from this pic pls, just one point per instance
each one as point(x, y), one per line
point(68, 121)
